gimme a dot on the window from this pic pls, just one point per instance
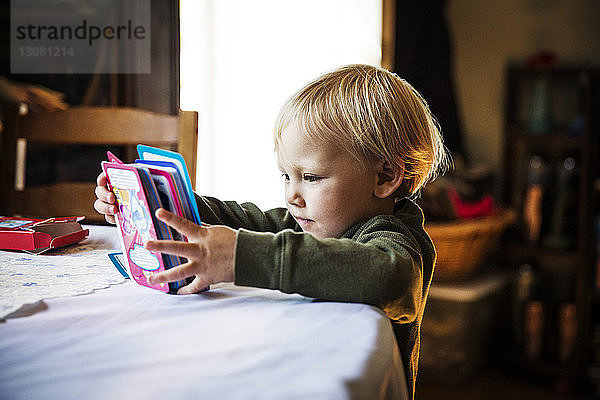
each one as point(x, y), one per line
point(240, 60)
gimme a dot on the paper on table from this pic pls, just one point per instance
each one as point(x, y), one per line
point(27, 279)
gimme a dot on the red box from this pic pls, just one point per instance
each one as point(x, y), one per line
point(40, 235)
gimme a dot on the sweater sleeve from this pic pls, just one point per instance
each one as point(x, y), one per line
point(246, 215)
point(377, 266)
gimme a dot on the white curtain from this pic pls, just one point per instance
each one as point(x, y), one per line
point(241, 59)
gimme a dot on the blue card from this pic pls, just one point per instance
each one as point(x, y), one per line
point(155, 154)
point(180, 186)
point(117, 260)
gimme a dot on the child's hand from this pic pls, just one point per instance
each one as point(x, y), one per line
point(106, 200)
point(210, 251)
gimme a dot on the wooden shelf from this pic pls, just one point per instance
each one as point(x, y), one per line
point(557, 140)
point(564, 274)
point(549, 258)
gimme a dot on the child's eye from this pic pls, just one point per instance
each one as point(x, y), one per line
point(311, 178)
point(286, 177)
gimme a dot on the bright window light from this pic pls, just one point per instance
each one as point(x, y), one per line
point(240, 60)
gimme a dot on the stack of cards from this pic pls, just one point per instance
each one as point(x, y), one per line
point(158, 179)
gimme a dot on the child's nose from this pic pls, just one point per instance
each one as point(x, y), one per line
point(293, 196)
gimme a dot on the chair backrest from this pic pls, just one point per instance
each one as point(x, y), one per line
point(87, 126)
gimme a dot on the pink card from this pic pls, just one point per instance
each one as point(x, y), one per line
point(135, 223)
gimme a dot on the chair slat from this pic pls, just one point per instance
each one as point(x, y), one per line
point(119, 126)
point(99, 125)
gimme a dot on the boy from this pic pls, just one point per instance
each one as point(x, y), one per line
point(352, 147)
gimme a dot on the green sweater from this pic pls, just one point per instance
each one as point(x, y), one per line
point(386, 261)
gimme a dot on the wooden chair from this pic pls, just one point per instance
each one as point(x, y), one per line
point(82, 125)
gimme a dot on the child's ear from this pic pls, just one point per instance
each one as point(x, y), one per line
point(389, 180)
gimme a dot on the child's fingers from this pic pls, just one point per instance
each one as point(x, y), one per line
point(182, 225)
point(101, 179)
point(110, 219)
point(182, 249)
point(105, 195)
point(173, 274)
point(105, 208)
point(196, 286)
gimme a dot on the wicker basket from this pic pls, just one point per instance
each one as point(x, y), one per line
point(463, 245)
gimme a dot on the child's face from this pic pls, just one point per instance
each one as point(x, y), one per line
point(326, 190)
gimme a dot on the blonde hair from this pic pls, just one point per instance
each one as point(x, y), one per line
point(374, 115)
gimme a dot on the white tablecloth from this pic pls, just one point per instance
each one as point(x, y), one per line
point(232, 342)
